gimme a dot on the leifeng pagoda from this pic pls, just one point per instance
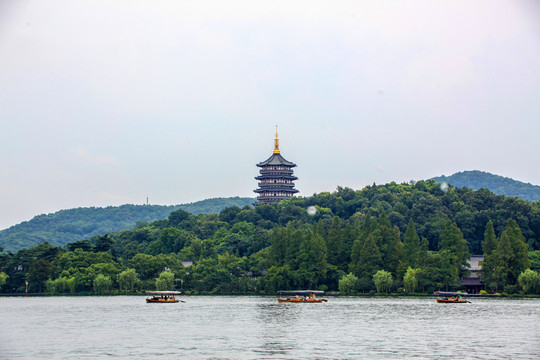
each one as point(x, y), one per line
point(276, 178)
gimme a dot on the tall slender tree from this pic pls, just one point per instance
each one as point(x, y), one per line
point(368, 260)
point(453, 241)
point(410, 250)
point(334, 242)
point(511, 254)
point(489, 246)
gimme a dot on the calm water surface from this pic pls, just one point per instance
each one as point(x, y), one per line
point(126, 327)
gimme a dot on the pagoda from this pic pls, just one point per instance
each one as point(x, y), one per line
point(276, 178)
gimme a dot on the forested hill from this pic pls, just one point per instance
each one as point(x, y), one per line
point(71, 225)
point(496, 184)
point(414, 235)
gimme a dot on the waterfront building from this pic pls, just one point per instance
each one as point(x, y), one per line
point(276, 179)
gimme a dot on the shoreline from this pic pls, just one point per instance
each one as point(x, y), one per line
point(330, 294)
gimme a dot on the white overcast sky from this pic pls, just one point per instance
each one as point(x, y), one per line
point(108, 102)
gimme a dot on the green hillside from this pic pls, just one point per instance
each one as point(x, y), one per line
point(384, 238)
point(496, 184)
point(71, 225)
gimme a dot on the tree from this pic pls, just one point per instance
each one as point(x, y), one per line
point(410, 280)
point(448, 273)
point(334, 241)
point(38, 273)
point(489, 246)
point(103, 243)
point(229, 214)
point(529, 281)
point(278, 278)
point(312, 257)
point(348, 284)
point(127, 279)
point(102, 284)
point(502, 261)
point(279, 243)
point(3, 278)
point(177, 217)
point(411, 248)
point(511, 257)
point(383, 281)
point(165, 281)
point(367, 261)
point(453, 241)
point(520, 261)
point(84, 245)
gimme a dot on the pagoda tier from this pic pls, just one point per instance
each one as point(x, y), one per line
point(276, 178)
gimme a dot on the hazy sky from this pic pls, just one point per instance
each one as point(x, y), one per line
point(108, 102)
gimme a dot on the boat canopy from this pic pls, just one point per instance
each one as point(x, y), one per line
point(301, 292)
point(450, 293)
point(164, 292)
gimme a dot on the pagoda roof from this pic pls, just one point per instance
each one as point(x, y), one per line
point(263, 177)
point(276, 159)
point(277, 189)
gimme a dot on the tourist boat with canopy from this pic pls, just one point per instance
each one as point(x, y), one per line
point(300, 296)
point(163, 297)
point(450, 297)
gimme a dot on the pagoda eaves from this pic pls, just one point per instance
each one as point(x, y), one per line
point(276, 177)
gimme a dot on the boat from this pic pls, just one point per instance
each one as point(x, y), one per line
point(300, 296)
point(451, 297)
point(163, 297)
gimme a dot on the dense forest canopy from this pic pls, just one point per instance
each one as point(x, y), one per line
point(496, 184)
point(415, 236)
point(71, 225)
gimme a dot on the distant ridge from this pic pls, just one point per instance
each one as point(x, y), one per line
point(71, 225)
point(497, 184)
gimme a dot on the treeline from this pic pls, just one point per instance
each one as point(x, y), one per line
point(386, 238)
point(495, 183)
point(71, 225)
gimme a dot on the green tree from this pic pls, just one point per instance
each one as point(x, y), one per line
point(279, 243)
point(312, 258)
point(278, 278)
point(447, 271)
point(489, 246)
point(453, 241)
point(411, 248)
point(511, 255)
point(410, 280)
point(165, 281)
point(38, 273)
point(3, 278)
point(367, 261)
point(348, 284)
point(102, 284)
point(383, 281)
point(520, 262)
point(529, 281)
point(127, 279)
point(334, 242)
point(103, 243)
point(176, 218)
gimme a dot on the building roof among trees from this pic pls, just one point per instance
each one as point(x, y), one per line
point(276, 159)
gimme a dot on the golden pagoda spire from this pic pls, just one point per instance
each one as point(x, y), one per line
point(276, 143)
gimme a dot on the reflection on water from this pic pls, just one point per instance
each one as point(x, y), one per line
point(259, 327)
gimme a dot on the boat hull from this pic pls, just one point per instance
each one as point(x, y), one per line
point(302, 300)
point(161, 301)
point(452, 301)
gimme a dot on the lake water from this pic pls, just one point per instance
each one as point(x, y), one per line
point(250, 327)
